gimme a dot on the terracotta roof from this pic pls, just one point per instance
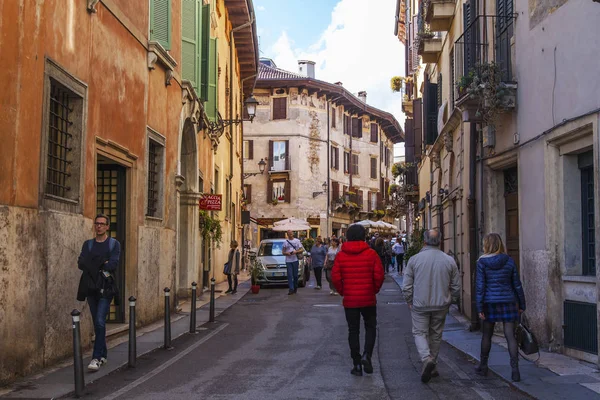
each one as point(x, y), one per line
point(241, 14)
point(266, 72)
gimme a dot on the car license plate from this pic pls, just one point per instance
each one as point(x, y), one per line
point(278, 274)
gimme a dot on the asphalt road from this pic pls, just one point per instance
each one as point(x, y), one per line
point(274, 346)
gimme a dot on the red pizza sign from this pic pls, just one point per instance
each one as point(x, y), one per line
point(210, 202)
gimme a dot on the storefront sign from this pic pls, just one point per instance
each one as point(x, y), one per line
point(314, 221)
point(210, 202)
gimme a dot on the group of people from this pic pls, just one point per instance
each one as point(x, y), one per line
point(431, 283)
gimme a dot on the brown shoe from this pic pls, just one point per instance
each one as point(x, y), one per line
point(428, 366)
point(435, 373)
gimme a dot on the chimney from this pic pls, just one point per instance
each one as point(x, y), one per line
point(306, 68)
point(363, 96)
point(339, 83)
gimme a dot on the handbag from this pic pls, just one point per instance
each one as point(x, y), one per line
point(526, 339)
point(227, 269)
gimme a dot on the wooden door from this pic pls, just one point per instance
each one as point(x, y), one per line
point(511, 201)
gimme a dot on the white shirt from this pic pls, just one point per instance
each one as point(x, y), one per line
point(289, 246)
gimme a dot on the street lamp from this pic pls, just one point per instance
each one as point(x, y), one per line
point(261, 169)
point(324, 185)
point(218, 127)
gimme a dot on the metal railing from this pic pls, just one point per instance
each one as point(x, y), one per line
point(485, 40)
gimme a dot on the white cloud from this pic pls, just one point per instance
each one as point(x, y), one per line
point(260, 8)
point(358, 48)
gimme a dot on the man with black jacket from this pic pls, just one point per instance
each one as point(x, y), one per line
point(98, 260)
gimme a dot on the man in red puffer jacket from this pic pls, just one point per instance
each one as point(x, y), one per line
point(357, 275)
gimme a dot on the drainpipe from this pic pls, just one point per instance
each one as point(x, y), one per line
point(472, 215)
point(328, 165)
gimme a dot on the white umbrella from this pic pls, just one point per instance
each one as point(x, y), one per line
point(378, 225)
point(366, 223)
point(291, 220)
point(390, 226)
point(291, 226)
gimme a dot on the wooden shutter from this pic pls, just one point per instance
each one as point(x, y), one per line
point(288, 191)
point(345, 119)
point(287, 155)
point(250, 149)
point(160, 22)
point(379, 198)
point(409, 145)
point(439, 91)
point(270, 155)
point(333, 117)
point(211, 107)
point(279, 108)
point(190, 10)
point(269, 191)
point(204, 42)
point(337, 158)
point(369, 204)
point(354, 164)
point(373, 168)
point(248, 193)
point(374, 138)
point(418, 127)
point(430, 111)
point(356, 127)
point(360, 198)
point(335, 190)
point(346, 162)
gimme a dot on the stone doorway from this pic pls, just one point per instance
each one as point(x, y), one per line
point(188, 196)
point(511, 209)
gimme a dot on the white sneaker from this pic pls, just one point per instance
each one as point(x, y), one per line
point(318, 287)
point(94, 365)
point(103, 361)
point(331, 292)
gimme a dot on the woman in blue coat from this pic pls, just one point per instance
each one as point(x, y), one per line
point(500, 298)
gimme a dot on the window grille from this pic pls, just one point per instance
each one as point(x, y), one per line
point(153, 173)
point(58, 180)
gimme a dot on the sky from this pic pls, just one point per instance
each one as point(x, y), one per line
point(351, 41)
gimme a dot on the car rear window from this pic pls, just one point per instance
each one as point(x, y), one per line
point(271, 249)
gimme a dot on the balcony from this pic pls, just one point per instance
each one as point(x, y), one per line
point(407, 106)
point(429, 43)
point(482, 69)
point(349, 203)
point(439, 14)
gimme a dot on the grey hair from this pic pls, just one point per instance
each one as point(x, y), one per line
point(432, 237)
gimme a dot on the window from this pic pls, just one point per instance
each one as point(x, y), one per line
point(248, 149)
point(280, 108)
point(373, 200)
point(373, 168)
point(62, 153)
point(335, 191)
point(156, 153)
point(355, 164)
point(335, 158)
point(346, 162)
point(374, 137)
point(217, 191)
point(212, 90)
point(347, 123)
point(248, 193)
point(586, 166)
point(333, 117)
point(356, 127)
point(278, 191)
point(201, 184)
point(195, 43)
point(279, 159)
point(160, 22)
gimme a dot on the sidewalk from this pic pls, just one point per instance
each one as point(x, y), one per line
point(58, 381)
point(553, 377)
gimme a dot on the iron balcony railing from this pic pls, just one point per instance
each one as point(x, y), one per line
point(423, 30)
point(485, 40)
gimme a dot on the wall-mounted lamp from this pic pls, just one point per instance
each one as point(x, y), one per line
point(218, 127)
point(324, 186)
point(261, 169)
point(444, 192)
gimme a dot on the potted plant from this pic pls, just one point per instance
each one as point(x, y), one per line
point(254, 273)
point(396, 83)
point(274, 201)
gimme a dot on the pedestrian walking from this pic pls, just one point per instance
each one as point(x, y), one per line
point(332, 251)
point(358, 275)
point(233, 268)
point(379, 247)
point(291, 248)
point(500, 298)
point(317, 254)
point(398, 250)
point(431, 283)
point(99, 259)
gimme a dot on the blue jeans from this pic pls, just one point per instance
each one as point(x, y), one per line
point(292, 274)
point(99, 307)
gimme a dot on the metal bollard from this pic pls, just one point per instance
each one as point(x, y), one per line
point(132, 335)
point(193, 310)
point(211, 317)
point(77, 357)
point(167, 319)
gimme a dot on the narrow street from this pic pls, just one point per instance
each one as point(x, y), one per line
point(274, 346)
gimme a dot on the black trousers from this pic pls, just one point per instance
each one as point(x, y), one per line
point(232, 279)
point(400, 262)
point(369, 315)
point(318, 275)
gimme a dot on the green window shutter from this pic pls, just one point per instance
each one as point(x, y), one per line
point(204, 53)
point(189, 41)
point(211, 106)
point(160, 22)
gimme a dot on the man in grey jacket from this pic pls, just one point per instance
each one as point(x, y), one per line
point(431, 283)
